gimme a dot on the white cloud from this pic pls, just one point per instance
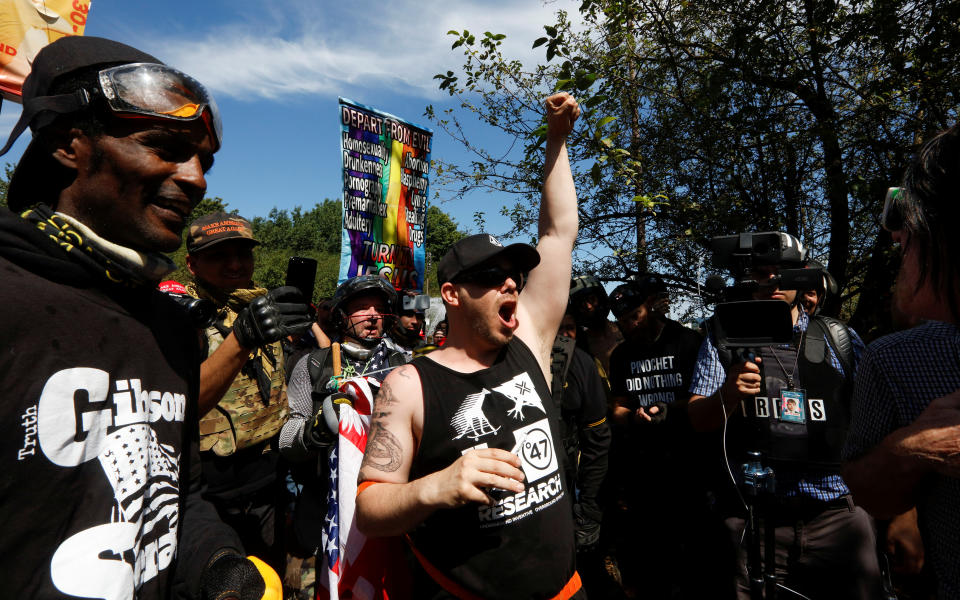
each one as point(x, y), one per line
point(399, 44)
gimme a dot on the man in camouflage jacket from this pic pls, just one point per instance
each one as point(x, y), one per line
point(242, 390)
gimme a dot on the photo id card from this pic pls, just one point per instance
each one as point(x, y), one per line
point(792, 404)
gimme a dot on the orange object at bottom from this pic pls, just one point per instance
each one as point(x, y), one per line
point(572, 586)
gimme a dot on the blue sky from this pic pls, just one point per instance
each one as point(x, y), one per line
point(277, 68)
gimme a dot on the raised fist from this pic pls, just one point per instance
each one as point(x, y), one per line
point(562, 112)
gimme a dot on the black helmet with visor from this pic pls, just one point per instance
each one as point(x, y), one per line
point(355, 286)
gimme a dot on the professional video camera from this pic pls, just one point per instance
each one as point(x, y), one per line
point(740, 321)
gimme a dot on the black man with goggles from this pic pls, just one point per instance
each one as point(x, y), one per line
point(101, 490)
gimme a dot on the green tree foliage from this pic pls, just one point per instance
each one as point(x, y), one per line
point(299, 230)
point(442, 232)
point(706, 118)
point(5, 184)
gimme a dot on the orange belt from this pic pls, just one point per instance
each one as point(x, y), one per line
point(571, 587)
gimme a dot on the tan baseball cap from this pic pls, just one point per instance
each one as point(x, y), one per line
point(218, 227)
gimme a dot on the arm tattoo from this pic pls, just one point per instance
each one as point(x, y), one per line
point(383, 451)
point(383, 401)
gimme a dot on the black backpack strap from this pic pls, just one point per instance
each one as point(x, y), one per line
point(560, 359)
point(838, 336)
point(320, 367)
point(395, 359)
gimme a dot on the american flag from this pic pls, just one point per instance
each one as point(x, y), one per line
point(357, 568)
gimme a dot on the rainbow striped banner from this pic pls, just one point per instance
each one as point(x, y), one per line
point(386, 164)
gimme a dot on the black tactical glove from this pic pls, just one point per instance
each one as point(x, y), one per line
point(321, 430)
point(230, 576)
point(661, 415)
point(272, 317)
point(586, 530)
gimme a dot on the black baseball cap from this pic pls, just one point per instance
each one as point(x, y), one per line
point(62, 57)
point(632, 294)
point(480, 248)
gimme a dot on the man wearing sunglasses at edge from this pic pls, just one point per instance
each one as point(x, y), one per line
point(903, 449)
point(101, 489)
point(464, 449)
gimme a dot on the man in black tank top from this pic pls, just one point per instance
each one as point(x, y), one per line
point(464, 453)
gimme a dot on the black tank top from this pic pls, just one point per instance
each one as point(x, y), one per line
point(522, 547)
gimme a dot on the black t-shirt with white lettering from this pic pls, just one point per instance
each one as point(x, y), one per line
point(522, 546)
point(660, 371)
point(642, 373)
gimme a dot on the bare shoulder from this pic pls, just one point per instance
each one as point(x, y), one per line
point(397, 416)
point(402, 386)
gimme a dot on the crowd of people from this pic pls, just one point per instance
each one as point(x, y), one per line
point(532, 448)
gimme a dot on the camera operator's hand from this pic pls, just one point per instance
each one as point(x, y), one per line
point(272, 317)
point(743, 380)
point(321, 430)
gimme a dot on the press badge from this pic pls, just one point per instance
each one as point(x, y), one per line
point(792, 404)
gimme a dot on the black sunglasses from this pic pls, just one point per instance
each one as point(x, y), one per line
point(492, 277)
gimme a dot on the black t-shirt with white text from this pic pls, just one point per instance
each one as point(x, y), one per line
point(657, 371)
point(642, 373)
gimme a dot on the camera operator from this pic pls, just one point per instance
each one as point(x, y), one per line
point(825, 545)
point(242, 391)
point(101, 369)
point(905, 430)
point(811, 301)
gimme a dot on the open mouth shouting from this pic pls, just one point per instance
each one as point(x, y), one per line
point(508, 313)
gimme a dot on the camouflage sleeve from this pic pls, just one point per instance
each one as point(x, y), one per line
point(300, 401)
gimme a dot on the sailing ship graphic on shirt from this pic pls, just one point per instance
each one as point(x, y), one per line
point(470, 421)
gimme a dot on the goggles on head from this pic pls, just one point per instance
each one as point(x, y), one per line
point(133, 89)
point(156, 90)
point(891, 218)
